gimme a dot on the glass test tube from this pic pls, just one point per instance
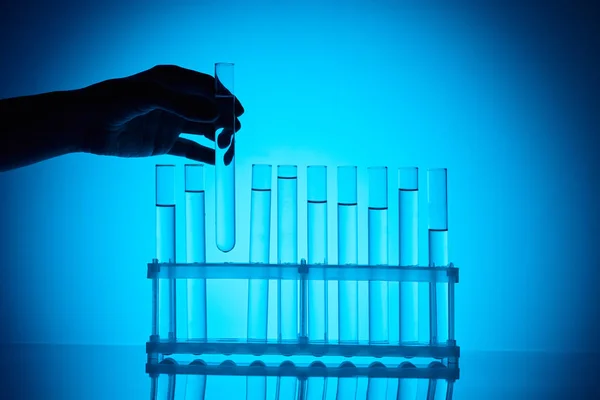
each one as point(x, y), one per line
point(377, 388)
point(287, 250)
point(196, 384)
point(260, 240)
point(287, 386)
point(408, 236)
point(347, 252)
point(195, 248)
point(225, 173)
point(440, 389)
point(378, 254)
point(347, 386)
point(316, 179)
point(438, 250)
point(165, 248)
point(316, 388)
point(407, 389)
point(256, 386)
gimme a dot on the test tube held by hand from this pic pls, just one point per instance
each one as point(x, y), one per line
point(347, 252)
point(438, 250)
point(316, 179)
point(195, 248)
point(378, 254)
point(260, 239)
point(225, 158)
point(165, 247)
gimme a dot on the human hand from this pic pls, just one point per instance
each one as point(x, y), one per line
point(144, 114)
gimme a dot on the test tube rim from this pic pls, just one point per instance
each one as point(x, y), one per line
point(375, 167)
point(268, 185)
point(385, 187)
point(224, 63)
point(316, 166)
point(436, 169)
point(185, 181)
point(416, 171)
point(171, 168)
point(293, 167)
point(342, 190)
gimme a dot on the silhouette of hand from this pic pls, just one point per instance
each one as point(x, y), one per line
point(144, 114)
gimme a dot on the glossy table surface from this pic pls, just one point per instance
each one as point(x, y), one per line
point(118, 372)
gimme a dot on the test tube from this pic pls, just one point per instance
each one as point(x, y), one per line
point(378, 254)
point(287, 386)
point(377, 387)
point(408, 236)
point(347, 252)
point(195, 384)
point(440, 389)
point(195, 248)
point(287, 250)
point(316, 180)
point(347, 386)
point(225, 173)
point(407, 389)
point(260, 240)
point(165, 248)
point(316, 388)
point(438, 251)
point(256, 385)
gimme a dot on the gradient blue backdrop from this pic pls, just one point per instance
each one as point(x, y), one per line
point(505, 97)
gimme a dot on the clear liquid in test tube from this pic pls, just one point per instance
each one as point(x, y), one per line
point(408, 236)
point(165, 248)
point(347, 252)
point(195, 226)
point(438, 250)
point(317, 251)
point(260, 240)
point(378, 254)
point(287, 250)
point(225, 158)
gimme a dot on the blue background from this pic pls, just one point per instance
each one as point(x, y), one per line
point(504, 97)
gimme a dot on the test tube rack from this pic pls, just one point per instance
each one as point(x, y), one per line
point(447, 353)
point(167, 351)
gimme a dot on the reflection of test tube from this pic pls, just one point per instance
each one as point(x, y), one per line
point(195, 248)
point(287, 249)
point(316, 179)
point(378, 253)
point(165, 247)
point(225, 174)
point(347, 252)
point(408, 236)
point(260, 239)
point(438, 250)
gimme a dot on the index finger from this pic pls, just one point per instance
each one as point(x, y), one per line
point(187, 81)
